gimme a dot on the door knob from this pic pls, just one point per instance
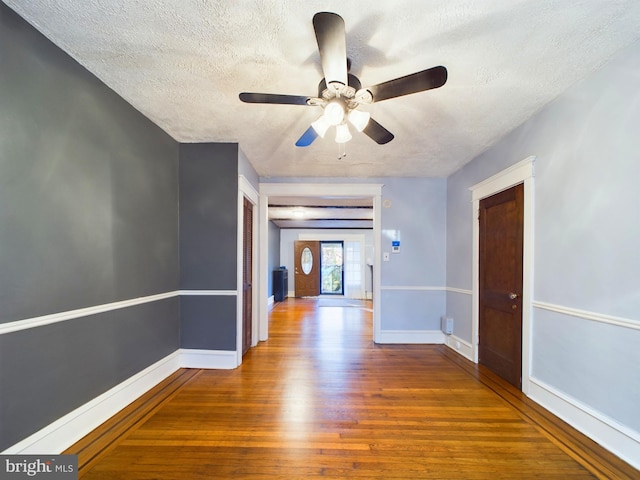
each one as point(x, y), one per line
point(513, 296)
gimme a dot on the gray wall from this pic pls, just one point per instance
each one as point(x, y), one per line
point(587, 232)
point(88, 216)
point(208, 244)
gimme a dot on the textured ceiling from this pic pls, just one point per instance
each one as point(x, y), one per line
point(182, 63)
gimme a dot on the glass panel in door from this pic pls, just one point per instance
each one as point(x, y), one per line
point(331, 268)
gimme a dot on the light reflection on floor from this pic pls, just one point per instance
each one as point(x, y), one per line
point(329, 368)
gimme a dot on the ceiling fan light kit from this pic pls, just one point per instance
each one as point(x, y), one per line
point(343, 135)
point(321, 125)
point(334, 112)
point(340, 93)
point(359, 119)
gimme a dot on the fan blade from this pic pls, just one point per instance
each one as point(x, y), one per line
point(307, 138)
point(416, 82)
point(273, 98)
point(377, 132)
point(332, 44)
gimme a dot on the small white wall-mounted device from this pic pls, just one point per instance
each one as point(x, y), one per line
point(446, 324)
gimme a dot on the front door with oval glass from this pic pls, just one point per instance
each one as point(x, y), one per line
point(306, 268)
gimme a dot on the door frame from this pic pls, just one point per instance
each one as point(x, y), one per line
point(360, 190)
point(246, 190)
point(521, 172)
point(331, 242)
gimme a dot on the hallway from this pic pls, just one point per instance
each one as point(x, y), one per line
point(320, 399)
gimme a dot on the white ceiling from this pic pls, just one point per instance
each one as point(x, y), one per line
point(182, 63)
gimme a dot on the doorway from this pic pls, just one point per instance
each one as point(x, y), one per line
point(247, 275)
point(345, 190)
point(519, 173)
point(500, 267)
point(332, 268)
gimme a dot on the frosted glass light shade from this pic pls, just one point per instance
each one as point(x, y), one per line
point(321, 126)
point(343, 134)
point(359, 119)
point(334, 113)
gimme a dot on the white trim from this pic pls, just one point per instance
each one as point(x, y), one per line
point(459, 290)
point(503, 180)
point(246, 190)
point(263, 273)
point(521, 172)
point(346, 190)
point(411, 337)
point(360, 237)
point(617, 438)
point(586, 315)
point(321, 189)
point(459, 346)
point(417, 288)
point(377, 261)
point(64, 432)
point(427, 288)
point(34, 322)
point(212, 293)
point(67, 430)
point(210, 359)
point(27, 323)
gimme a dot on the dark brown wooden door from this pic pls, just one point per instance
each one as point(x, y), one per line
point(247, 269)
point(500, 315)
point(306, 268)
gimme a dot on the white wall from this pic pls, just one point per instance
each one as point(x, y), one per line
point(586, 311)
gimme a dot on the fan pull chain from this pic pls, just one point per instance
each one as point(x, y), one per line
point(342, 150)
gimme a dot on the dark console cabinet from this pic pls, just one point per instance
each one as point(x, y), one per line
point(280, 284)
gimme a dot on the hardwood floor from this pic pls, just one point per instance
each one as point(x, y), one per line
point(319, 399)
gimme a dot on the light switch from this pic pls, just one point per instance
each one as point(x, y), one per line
point(385, 256)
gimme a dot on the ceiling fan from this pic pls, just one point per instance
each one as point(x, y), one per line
point(340, 93)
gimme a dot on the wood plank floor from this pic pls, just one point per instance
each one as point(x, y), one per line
point(319, 399)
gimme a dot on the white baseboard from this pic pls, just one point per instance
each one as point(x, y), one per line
point(213, 359)
point(270, 301)
point(64, 432)
point(67, 430)
point(460, 346)
point(618, 439)
point(411, 336)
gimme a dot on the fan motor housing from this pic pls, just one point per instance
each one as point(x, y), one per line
point(352, 80)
